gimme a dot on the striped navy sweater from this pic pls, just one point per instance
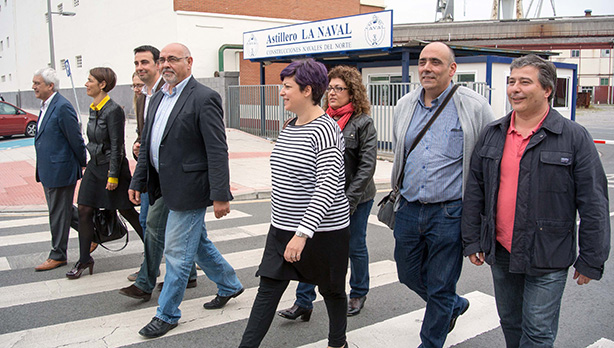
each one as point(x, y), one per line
point(308, 178)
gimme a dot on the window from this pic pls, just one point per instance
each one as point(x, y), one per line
point(60, 7)
point(386, 89)
point(79, 60)
point(588, 89)
point(75, 3)
point(575, 53)
point(7, 42)
point(6, 109)
point(604, 81)
point(605, 52)
point(465, 77)
point(63, 64)
point(10, 77)
point(3, 78)
point(560, 99)
point(1, 45)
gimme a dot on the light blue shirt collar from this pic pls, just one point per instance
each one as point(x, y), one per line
point(177, 89)
point(435, 102)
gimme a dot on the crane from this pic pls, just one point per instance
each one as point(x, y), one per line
point(538, 8)
point(503, 9)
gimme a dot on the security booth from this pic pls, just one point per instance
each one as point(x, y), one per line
point(389, 71)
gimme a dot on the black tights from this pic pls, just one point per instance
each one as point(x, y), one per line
point(267, 300)
point(86, 228)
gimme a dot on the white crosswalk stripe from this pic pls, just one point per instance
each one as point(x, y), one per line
point(403, 331)
point(117, 329)
point(98, 282)
point(45, 235)
point(602, 343)
point(121, 329)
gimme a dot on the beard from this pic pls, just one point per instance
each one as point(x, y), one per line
point(169, 78)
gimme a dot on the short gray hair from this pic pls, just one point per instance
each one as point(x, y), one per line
point(546, 70)
point(50, 76)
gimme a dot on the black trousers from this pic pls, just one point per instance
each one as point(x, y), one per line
point(267, 300)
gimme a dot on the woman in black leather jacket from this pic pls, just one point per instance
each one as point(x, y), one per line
point(347, 102)
point(107, 175)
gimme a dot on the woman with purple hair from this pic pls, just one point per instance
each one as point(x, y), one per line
point(308, 238)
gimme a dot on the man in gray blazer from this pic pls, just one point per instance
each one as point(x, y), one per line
point(184, 160)
point(428, 249)
point(60, 155)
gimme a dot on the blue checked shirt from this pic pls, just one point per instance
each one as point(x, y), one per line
point(433, 171)
point(163, 112)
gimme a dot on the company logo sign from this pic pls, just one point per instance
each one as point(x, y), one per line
point(361, 32)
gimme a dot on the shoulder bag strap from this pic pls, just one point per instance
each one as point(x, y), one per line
point(423, 132)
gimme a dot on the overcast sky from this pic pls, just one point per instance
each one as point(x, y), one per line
point(420, 11)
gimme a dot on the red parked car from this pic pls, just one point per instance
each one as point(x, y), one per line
point(14, 120)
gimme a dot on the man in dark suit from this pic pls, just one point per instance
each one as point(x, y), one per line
point(184, 160)
point(60, 155)
point(145, 64)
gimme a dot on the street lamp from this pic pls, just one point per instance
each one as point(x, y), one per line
point(49, 13)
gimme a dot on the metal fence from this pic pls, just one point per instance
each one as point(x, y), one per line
point(257, 110)
point(260, 110)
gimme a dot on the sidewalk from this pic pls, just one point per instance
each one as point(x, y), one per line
point(250, 175)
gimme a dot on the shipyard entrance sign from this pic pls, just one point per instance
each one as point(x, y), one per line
point(360, 32)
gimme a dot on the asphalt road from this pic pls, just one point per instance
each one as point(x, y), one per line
point(43, 309)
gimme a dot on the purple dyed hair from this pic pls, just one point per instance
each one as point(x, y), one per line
point(308, 72)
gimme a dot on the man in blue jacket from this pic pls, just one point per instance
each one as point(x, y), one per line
point(60, 155)
point(531, 172)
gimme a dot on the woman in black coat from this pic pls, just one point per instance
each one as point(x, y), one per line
point(107, 175)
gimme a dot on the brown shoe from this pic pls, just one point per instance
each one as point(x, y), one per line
point(134, 292)
point(49, 264)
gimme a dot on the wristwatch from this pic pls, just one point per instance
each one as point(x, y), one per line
point(301, 234)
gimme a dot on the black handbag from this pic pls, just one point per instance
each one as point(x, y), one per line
point(385, 213)
point(108, 226)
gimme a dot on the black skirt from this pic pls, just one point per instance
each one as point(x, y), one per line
point(324, 260)
point(93, 192)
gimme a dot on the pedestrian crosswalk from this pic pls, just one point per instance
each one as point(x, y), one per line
point(32, 299)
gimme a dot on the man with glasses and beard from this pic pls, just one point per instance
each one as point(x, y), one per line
point(184, 160)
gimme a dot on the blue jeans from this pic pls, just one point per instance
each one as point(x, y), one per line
point(154, 247)
point(528, 306)
point(428, 253)
point(359, 259)
point(144, 210)
point(186, 242)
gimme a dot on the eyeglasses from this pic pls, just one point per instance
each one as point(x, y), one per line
point(170, 60)
point(138, 86)
point(337, 89)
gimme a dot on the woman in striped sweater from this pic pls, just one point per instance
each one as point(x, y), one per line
point(309, 236)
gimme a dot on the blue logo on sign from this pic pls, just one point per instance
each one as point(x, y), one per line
point(375, 31)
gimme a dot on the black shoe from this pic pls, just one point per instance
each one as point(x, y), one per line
point(156, 328)
point(355, 305)
point(220, 301)
point(296, 311)
point(453, 320)
point(191, 284)
point(75, 273)
point(134, 292)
